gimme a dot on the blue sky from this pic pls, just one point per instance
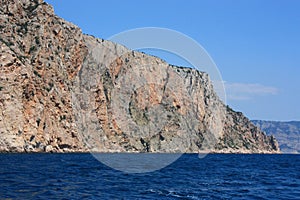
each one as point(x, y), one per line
point(255, 44)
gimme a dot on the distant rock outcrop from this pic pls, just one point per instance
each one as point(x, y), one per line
point(287, 133)
point(63, 91)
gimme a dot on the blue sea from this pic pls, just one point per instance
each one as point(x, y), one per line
point(215, 176)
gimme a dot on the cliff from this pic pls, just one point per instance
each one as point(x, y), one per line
point(287, 133)
point(63, 91)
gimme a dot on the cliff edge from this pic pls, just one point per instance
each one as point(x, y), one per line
point(63, 91)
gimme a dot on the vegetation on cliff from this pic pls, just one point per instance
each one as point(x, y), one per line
point(63, 91)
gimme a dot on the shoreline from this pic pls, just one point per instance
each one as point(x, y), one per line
point(87, 152)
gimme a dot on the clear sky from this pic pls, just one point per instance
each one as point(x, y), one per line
point(255, 43)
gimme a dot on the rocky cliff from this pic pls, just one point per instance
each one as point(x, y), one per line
point(287, 133)
point(63, 91)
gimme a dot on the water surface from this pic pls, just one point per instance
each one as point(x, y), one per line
point(77, 176)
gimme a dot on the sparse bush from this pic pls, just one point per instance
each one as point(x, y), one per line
point(37, 40)
point(32, 49)
point(37, 74)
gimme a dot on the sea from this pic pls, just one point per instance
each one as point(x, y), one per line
point(213, 176)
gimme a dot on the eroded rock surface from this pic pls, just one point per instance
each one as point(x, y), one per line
point(63, 91)
point(287, 134)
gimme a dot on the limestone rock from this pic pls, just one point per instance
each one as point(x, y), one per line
point(37, 67)
point(63, 91)
point(287, 134)
point(48, 148)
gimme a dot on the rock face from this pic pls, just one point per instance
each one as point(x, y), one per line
point(287, 133)
point(63, 91)
point(40, 56)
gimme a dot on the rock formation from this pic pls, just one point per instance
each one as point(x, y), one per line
point(63, 91)
point(287, 134)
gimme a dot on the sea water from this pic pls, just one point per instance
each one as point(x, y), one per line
point(215, 176)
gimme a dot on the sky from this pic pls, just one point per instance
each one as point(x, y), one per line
point(255, 44)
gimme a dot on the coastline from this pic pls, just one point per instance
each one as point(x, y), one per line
point(105, 152)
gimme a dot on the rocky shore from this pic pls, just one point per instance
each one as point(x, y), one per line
point(64, 91)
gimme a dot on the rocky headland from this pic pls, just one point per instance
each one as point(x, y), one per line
point(287, 133)
point(64, 91)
